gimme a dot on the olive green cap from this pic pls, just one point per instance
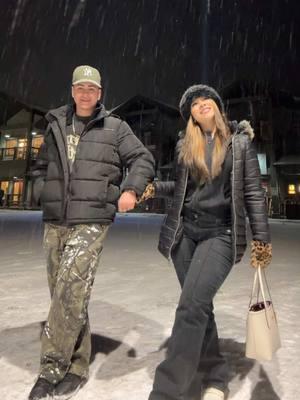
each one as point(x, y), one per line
point(85, 73)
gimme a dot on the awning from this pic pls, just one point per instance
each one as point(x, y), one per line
point(288, 160)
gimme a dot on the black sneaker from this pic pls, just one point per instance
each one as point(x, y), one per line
point(69, 386)
point(42, 390)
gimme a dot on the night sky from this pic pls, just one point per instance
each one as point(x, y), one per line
point(156, 48)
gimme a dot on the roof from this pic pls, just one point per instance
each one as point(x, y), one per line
point(246, 89)
point(288, 160)
point(10, 107)
point(142, 101)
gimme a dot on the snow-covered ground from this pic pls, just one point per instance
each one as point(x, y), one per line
point(132, 310)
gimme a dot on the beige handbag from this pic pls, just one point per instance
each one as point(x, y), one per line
point(263, 338)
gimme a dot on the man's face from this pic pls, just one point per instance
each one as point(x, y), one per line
point(86, 96)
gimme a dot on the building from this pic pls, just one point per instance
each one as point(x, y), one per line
point(286, 127)
point(275, 117)
point(157, 125)
point(21, 136)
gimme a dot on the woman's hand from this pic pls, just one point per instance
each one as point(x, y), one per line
point(261, 254)
point(148, 193)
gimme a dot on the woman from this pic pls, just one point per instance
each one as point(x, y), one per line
point(217, 182)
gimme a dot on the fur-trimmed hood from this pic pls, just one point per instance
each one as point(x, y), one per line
point(242, 127)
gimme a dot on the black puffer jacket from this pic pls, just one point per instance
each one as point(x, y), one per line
point(247, 196)
point(90, 193)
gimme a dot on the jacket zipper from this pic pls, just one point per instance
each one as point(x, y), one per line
point(67, 199)
point(182, 201)
point(70, 176)
point(233, 201)
point(233, 207)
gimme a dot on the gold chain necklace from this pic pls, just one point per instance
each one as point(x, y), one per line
point(73, 125)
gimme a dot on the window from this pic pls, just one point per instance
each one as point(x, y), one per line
point(9, 143)
point(15, 149)
point(147, 138)
point(9, 152)
point(292, 189)
point(37, 141)
point(4, 186)
point(262, 160)
point(21, 151)
point(15, 197)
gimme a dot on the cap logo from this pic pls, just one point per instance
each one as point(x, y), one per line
point(87, 71)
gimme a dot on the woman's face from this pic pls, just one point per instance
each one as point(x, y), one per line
point(202, 110)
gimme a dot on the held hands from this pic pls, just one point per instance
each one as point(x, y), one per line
point(127, 201)
point(148, 193)
point(261, 254)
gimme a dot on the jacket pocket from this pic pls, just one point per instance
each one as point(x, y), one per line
point(103, 192)
point(92, 191)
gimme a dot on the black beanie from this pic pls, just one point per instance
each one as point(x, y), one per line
point(198, 91)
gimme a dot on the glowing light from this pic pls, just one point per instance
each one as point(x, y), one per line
point(291, 189)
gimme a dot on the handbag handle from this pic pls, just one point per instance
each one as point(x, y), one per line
point(260, 270)
point(258, 281)
point(260, 286)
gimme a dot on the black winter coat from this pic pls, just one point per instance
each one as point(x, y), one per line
point(89, 193)
point(247, 196)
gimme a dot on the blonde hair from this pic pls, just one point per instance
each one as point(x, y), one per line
point(192, 150)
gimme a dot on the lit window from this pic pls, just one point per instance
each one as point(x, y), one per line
point(291, 189)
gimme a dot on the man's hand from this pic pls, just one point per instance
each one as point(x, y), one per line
point(127, 201)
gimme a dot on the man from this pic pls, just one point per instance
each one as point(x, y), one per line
point(79, 172)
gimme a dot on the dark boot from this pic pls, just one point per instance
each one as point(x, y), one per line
point(42, 390)
point(69, 386)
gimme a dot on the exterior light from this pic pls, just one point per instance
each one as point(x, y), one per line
point(33, 133)
point(7, 136)
point(291, 189)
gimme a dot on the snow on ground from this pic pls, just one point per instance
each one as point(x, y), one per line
point(132, 310)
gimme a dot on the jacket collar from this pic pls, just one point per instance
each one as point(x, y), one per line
point(65, 113)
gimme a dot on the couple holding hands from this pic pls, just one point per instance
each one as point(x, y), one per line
point(77, 179)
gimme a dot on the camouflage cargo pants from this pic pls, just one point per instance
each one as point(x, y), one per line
point(72, 258)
